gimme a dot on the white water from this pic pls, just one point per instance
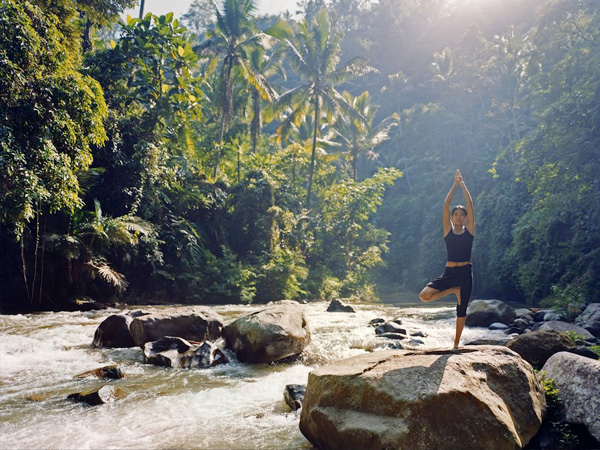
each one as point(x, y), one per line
point(232, 406)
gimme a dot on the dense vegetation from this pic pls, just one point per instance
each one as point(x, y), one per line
point(250, 158)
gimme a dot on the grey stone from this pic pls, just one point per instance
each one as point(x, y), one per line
point(578, 381)
point(590, 319)
point(483, 313)
point(277, 332)
point(558, 325)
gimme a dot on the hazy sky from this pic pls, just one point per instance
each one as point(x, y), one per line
point(180, 7)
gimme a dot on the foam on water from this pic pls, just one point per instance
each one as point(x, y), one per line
point(235, 406)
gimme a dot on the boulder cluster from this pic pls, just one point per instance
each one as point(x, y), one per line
point(480, 396)
point(188, 337)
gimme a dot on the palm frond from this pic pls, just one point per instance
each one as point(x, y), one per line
point(109, 275)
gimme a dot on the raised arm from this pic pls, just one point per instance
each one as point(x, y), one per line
point(470, 209)
point(446, 213)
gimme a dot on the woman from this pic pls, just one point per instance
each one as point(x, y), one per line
point(459, 231)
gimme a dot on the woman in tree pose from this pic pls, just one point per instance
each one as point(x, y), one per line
point(457, 279)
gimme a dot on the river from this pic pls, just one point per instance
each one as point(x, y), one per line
point(232, 406)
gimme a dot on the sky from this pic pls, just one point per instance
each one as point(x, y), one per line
point(180, 7)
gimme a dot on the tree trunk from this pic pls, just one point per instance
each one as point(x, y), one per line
point(313, 154)
point(142, 9)
point(255, 119)
point(226, 111)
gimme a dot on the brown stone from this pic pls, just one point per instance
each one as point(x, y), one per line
point(196, 324)
point(536, 347)
point(475, 398)
point(105, 394)
point(114, 332)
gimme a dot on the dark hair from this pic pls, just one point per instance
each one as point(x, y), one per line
point(461, 207)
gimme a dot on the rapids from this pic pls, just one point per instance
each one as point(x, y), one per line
point(231, 406)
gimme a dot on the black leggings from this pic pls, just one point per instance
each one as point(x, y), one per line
point(452, 277)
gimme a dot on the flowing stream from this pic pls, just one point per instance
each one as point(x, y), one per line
point(232, 406)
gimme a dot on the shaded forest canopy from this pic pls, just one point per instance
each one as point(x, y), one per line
point(227, 157)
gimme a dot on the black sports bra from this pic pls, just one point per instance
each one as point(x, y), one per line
point(459, 246)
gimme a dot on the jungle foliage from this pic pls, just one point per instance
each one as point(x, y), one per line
point(249, 159)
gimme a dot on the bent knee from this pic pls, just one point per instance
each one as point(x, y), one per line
point(426, 294)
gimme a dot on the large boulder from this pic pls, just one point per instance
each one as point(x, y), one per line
point(559, 325)
point(274, 333)
point(114, 332)
point(578, 381)
point(590, 319)
point(536, 347)
point(195, 324)
point(483, 313)
point(178, 353)
point(474, 398)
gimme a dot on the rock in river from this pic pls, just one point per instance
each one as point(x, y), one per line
point(196, 324)
point(483, 313)
point(114, 332)
point(178, 353)
point(274, 333)
point(105, 394)
point(474, 398)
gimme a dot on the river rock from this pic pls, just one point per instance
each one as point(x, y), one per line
point(114, 332)
point(178, 353)
point(337, 305)
point(399, 336)
point(474, 398)
point(195, 324)
point(111, 372)
point(582, 350)
point(483, 313)
point(294, 395)
point(558, 325)
point(498, 326)
point(590, 319)
point(551, 316)
point(105, 394)
point(488, 341)
point(539, 315)
point(536, 347)
point(82, 303)
point(390, 327)
point(578, 381)
point(274, 333)
point(524, 312)
point(375, 322)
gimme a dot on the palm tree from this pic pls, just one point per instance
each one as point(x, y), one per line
point(313, 50)
point(360, 136)
point(93, 237)
point(232, 38)
point(264, 65)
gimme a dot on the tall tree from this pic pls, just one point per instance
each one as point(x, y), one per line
point(361, 137)
point(230, 41)
point(313, 49)
point(50, 118)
